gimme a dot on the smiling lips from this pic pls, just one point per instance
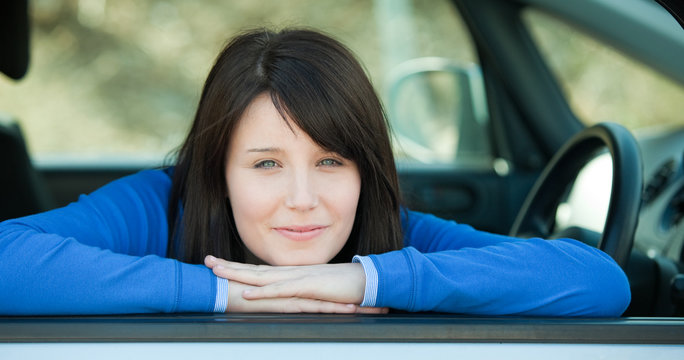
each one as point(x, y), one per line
point(301, 233)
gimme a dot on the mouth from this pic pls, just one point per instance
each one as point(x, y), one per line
point(301, 233)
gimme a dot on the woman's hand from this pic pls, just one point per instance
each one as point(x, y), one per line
point(236, 303)
point(334, 288)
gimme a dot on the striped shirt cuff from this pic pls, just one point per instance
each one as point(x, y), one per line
point(370, 295)
point(221, 303)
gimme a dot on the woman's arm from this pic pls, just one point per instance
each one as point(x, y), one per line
point(529, 277)
point(455, 268)
point(101, 255)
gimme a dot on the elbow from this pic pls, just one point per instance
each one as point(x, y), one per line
point(600, 286)
point(610, 293)
point(623, 295)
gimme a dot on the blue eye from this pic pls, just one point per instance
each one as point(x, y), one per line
point(330, 162)
point(266, 164)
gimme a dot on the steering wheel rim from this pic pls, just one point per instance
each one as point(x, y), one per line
point(537, 215)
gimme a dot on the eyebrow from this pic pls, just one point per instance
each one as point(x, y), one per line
point(267, 150)
point(278, 150)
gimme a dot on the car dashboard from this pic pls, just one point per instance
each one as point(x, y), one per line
point(661, 229)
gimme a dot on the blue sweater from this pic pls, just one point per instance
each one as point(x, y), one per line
point(105, 254)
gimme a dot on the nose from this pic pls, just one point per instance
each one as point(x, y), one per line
point(302, 194)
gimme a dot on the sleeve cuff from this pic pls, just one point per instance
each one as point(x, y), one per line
point(371, 292)
point(221, 304)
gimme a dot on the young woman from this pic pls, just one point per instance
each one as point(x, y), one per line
point(285, 198)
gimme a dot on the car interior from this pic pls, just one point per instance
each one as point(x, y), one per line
point(539, 158)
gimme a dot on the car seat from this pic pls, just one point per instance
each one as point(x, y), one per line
point(21, 191)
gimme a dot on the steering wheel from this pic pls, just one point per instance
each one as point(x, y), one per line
point(537, 215)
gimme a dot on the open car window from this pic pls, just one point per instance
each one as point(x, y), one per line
point(603, 84)
point(121, 79)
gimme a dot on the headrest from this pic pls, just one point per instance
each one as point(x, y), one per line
point(14, 38)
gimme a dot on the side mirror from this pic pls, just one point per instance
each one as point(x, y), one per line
point(438, 111)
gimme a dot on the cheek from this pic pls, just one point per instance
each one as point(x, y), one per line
point(251, 204)
point(345, 198)
point(343, 202)
point(349, 199)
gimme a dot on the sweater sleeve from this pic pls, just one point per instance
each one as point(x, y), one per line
point(450, 267)
point(103, 254)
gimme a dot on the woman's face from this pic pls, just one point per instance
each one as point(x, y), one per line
point(293, 202)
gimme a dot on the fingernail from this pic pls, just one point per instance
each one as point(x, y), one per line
point(351, 306)
point(211, 258)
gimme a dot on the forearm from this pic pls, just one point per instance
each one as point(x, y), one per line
point(48, 274)
point(533, 277)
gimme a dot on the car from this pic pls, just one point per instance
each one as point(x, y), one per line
point(523, 117)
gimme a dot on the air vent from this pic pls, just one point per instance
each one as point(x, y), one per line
point(674, 212)
point(658, 182)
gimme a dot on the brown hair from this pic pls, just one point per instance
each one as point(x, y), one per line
point(323, 89)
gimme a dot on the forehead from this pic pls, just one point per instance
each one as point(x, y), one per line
point(262, 124)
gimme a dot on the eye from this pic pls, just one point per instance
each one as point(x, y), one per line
point(266, 164)
point(329, 162)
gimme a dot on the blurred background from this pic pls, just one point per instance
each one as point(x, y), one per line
point(121, 79)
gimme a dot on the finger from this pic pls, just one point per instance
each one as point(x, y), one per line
point(318, 306)
point(257, 276)
point(236, 303)
point(228, 269)
point(297, 305)
point(301, 288)
point(211, 262)
point(371, 310)
point(286, 289)
point(250, 277)
point(291, 305)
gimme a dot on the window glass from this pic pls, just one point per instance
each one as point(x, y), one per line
point(122, 78)
point(603, 84)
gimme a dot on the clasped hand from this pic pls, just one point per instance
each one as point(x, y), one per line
point(325, 288)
